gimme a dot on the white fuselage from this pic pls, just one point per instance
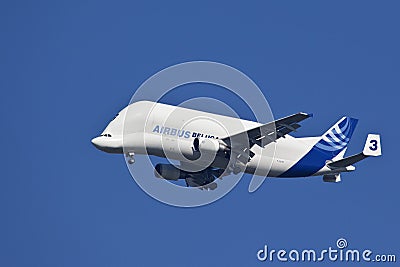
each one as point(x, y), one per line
point(168, 131)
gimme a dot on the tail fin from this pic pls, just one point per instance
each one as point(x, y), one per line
point(337, 137)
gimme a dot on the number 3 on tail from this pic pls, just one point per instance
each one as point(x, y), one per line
point(374, 145)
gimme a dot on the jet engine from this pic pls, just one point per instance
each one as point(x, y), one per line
point(203, 179)
point(209, 146)
point(168, 172)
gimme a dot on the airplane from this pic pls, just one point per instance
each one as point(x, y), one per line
point(210, 146)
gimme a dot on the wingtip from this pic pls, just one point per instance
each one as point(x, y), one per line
point(309, 115)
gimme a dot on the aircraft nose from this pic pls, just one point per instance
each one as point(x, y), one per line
point(108, 144)
point(96, 142)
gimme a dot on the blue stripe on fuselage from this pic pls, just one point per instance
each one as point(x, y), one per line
point(312, 162)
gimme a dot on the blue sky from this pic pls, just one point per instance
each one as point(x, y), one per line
point(69, 67)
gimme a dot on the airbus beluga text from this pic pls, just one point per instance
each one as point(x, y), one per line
point(209, 146)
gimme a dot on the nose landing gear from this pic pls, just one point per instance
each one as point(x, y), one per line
point(131, 157)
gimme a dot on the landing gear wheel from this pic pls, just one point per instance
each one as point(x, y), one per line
point(236, 170)
point(212, 186)
point(131, 157)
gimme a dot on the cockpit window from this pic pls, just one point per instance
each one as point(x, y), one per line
point(106, 135)
point(115, 116)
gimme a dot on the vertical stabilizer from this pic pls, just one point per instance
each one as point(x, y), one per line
point(337, 137)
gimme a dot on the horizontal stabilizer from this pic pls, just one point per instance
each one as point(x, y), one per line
point(372, 148)
point(347, 161)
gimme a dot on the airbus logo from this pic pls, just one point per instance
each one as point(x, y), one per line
point(180, 133)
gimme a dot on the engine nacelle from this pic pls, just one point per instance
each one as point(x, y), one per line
point(168, 172)
point(208, 145)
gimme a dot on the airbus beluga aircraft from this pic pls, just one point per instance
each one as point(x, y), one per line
point(210, 146)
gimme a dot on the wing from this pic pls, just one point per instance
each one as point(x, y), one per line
point(242, 142)
point(270, 132)
point(239, 145)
